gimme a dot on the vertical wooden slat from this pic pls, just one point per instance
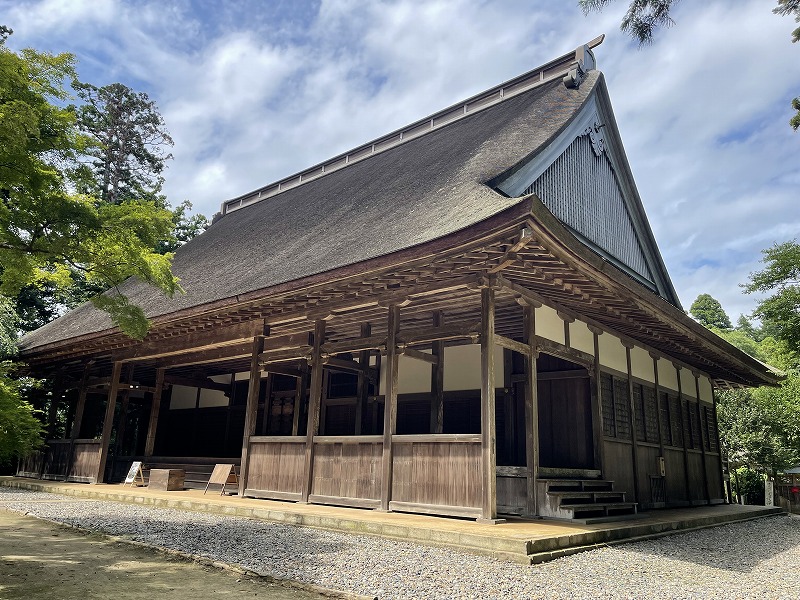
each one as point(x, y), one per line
point(111, 404)
point(251, 410)
point(390, 404)
point(315, 401)
point(362, 389)
point(488, 426)
point(437, 380)
point(703, 436)
point(531, 412)
point(155, 409)
point(632, 420)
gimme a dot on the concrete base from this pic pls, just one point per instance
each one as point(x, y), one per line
point(519, 540)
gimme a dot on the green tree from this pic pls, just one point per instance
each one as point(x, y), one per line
point(129, 141)
point(47, 231)
point(644, 17)
point(709, 312)
point(780, 312)
point(20, 429)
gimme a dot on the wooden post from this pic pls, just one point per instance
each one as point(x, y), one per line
point(251, 410)
point(314, 404)
point(52, 409)
point(719, 448)
point(684, 416)
point(437, 379)
point(155, 409)
point(531, 412)
point(703, 436)
point(267, 403)
point(362, 390)
point(80, 406)
point(598, 426)
point(122, 425)
point(488, 426)
point(108, 422)
point(390, 403)
point(632, 419)
point(301, 386)
point(661, 424)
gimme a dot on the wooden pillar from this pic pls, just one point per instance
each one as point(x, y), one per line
point(362, 389)
point(251, 410)
point(314, 404)
point(155, 409)
point(122, 425)
point(108, 422)
point(267, 403)
point(661, 424)
point(703, 437)
point(437, 380)
point(684, 416)
point(488, 426)
point(719, 450)
point(531, 412)
point(301, 386)
point(52, 409)
point(598, 427)
point(390, 403)
point(77, 420)
point(632, 419)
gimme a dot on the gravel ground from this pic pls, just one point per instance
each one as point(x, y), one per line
point(755, 559)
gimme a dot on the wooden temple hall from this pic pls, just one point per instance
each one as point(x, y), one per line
point(468, 316)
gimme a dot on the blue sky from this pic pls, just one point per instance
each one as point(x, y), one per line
point(253, 91)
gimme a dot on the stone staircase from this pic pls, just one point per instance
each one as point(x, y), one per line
point(580, 495)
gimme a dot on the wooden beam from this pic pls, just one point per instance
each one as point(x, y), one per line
point(512, 345)
point(108, 421)
point(531, 413)
point(632, 419)
point(371, 342)
point(300, 390)
point(703, 436)
point(437, 379)
point(155, 409)
point(205, 384)
point(684, 416)
point(77, 420)
point(488, 433)
point(390, 404)
point(421, 356)
point(240, 350)
point(155, 347)
point(251, 410)
point(661, 424)
point(597, 408)
point(314, 404)
point(301, 352)
point(362, 385)
point(426, 335)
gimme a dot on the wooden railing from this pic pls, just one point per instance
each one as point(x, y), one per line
point(347, 470)
point(31, 465)
point(56, 459)
point(276, 466)
point(85, 461)
point(437, 474)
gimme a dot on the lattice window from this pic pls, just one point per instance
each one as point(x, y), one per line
point(622, 409)
point(712, 430)
point(687, 423)
point(650, 414)
point(676, 420)
point(666, 432)
point(694, 419)
point(581, 189)
point(607, 394)
point(638, 405)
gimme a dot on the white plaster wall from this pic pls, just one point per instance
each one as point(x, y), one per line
point(667, 375)
point(209, 398)
point(414, 376)
point(688, 386)
point(182, 397)
point(580, 337)
point(549, 325)
point(706, 390)
point(642, 364)
point(612, 352)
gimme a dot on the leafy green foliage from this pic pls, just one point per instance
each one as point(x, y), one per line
point(48, 233)
point(781, 276)
point(20, 429)
point(9, 322)
point(185, 227)
point(709, 312)
point(127, 153)
point(644, 17)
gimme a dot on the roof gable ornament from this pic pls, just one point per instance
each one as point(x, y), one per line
point(595, 133)
point(584, 62)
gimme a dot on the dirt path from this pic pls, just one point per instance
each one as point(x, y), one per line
point(40, 561)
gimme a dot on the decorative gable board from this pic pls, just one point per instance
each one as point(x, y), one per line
point(583, 178)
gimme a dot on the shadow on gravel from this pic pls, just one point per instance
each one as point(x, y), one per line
point(736, 547)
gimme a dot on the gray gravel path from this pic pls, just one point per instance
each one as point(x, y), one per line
point(755, 559)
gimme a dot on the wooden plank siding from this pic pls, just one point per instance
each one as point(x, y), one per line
point(347, 471)
point(276, 467)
